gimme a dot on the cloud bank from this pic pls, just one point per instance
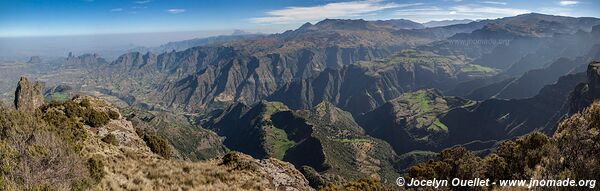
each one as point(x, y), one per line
point(331, 10)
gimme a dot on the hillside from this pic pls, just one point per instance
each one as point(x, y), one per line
point(84, 144)
point(324, 142)
point(568, 153)
point(412, 121)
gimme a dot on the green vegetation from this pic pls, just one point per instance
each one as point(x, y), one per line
point(419, 101)
point(80, 112)
point(474, 68)
point(156, 143)
point(42, 150)
point(570, 153)
point(235, 161)
point(406, 160)
point(57, 97)
point(113, 115)
point(281, 143)
point(192, 142)
point(425, 106)
point(516, 159)
point(357, 140)
point(438, 126)
point(230, 159)
point(272, 108)
point(411, 56)
point(276, 140)
point(96, 169)
point(96, 118)
point(110, 139)
point(357, 185)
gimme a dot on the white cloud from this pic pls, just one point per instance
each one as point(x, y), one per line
point(331, 10)
point(469, 11)
point(116, 10)
point(175, 11)
point(486, 10)
point(142, 1)
point(568, 2)
point(494, 2)
point(562, 11)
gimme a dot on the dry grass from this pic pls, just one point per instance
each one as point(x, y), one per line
point(132, 166)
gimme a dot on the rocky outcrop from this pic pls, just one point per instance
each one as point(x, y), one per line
point(85, 60)
point(28, 96)
point(585, 93)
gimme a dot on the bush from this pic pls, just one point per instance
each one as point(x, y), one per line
point(113, 115)
point(356, 185)
point(86, 103)
point(96, 169)
point(157, 144)
point(230, 159)
point(110, 139)
point(96, 118)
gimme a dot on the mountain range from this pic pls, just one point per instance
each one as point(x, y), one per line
point(328, 103)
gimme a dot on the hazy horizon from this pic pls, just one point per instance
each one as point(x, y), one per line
point(32, 27)
point(91, 17)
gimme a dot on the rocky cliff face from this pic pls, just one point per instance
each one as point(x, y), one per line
point(585, 93)
point(200, 77)
point(250, 70)
point(85, 61)
point(28, 96)
point(362, 87)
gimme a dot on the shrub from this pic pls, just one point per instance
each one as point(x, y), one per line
point(96, 118)
point(96, 169)
point(113, 115)
point(356, 185)
point(157, 144)
point(430, 170)
point(86, 103)
point(110, 139)
point(230, 159)
point(72, 109)
point(235, 161)
point(71, 130)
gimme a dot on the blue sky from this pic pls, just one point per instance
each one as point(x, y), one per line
point(20, 18)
